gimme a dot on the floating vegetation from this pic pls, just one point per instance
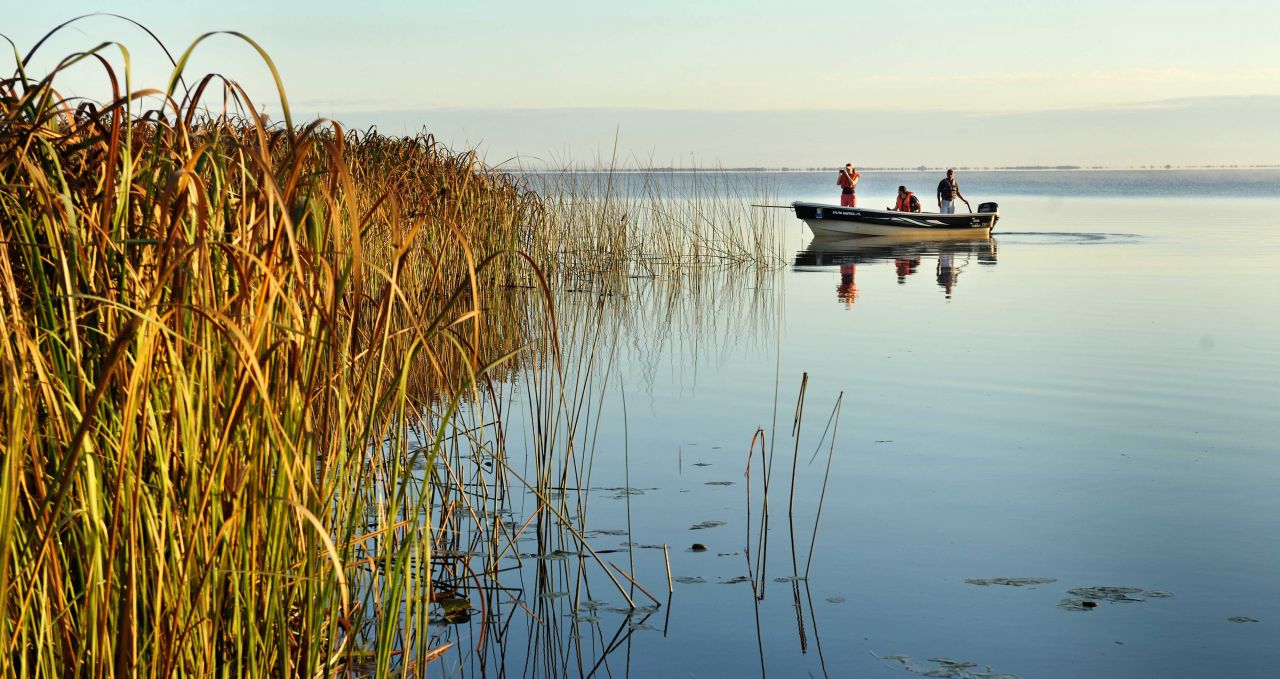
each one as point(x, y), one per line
point(702, 464)
point(1115, 594)
point(454, 611)
point(1241, 619)
point(949, 669)
point(735, 580)
point(691, 580)
point(835, 599)
point(1010, 582)
point(706, 524)
point(553, 595)
point(453, 554)
point(957, 665)
point(623, 491)
point(790, 578)
point(638, 611)
point(557, 555)
point(608, 531)
point(698, 547)
point(1087, 598)
point(1072, 604)
point(719, 483)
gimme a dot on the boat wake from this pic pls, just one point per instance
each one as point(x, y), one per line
point(1063, 238)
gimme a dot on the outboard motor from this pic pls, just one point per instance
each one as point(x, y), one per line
point(988, 207)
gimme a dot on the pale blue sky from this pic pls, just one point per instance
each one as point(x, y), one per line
point(598, 67)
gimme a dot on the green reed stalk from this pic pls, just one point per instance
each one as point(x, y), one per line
point(217, 337)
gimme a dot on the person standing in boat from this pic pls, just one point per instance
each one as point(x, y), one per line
point(907, 201)
point(848, 183)
point(948, 192)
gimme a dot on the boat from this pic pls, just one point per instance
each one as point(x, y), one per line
point(827, 221)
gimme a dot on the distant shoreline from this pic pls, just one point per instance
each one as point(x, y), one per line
point(918, 168)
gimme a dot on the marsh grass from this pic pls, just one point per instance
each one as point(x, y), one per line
point(671, 225)
point(256, 375)
point(219, 336)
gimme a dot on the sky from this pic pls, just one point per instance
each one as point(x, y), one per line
point(742, 83)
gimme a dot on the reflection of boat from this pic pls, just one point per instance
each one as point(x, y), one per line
point(906, 254)
point(833, 220)
point(824, 252)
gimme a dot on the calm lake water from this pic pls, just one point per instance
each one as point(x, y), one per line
point(1091, 398)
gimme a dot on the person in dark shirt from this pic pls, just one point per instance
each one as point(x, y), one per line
point(948, 192)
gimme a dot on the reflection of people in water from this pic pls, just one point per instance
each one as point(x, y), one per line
point(846, 292)
point(947, 272)
point(906, 266)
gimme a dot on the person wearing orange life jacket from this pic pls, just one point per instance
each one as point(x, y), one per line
point(848, 183)
point(907, 201)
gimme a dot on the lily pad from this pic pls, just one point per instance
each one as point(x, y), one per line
point(1010, 582)
point(455, 611)
point(1106, 593)
point(1075, 604)
point(1241, 619)
point(706, 524)
point(949, 669)
point(954, 664)
point(719, 483)
point(736, 580)
point(690, 580)
point(836, 600)
point(452, 554)
point(557, 555)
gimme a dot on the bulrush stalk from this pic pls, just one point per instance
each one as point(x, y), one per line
point(255, 377)
point(218, 336)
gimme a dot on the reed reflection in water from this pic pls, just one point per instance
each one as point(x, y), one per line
point(525, 581)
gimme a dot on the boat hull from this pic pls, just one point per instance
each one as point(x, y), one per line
point(833, 221)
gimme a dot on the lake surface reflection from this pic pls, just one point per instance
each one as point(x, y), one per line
point(1089, 399)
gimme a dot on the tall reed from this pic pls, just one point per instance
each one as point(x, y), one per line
point(253, 374)
point(217, 335)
